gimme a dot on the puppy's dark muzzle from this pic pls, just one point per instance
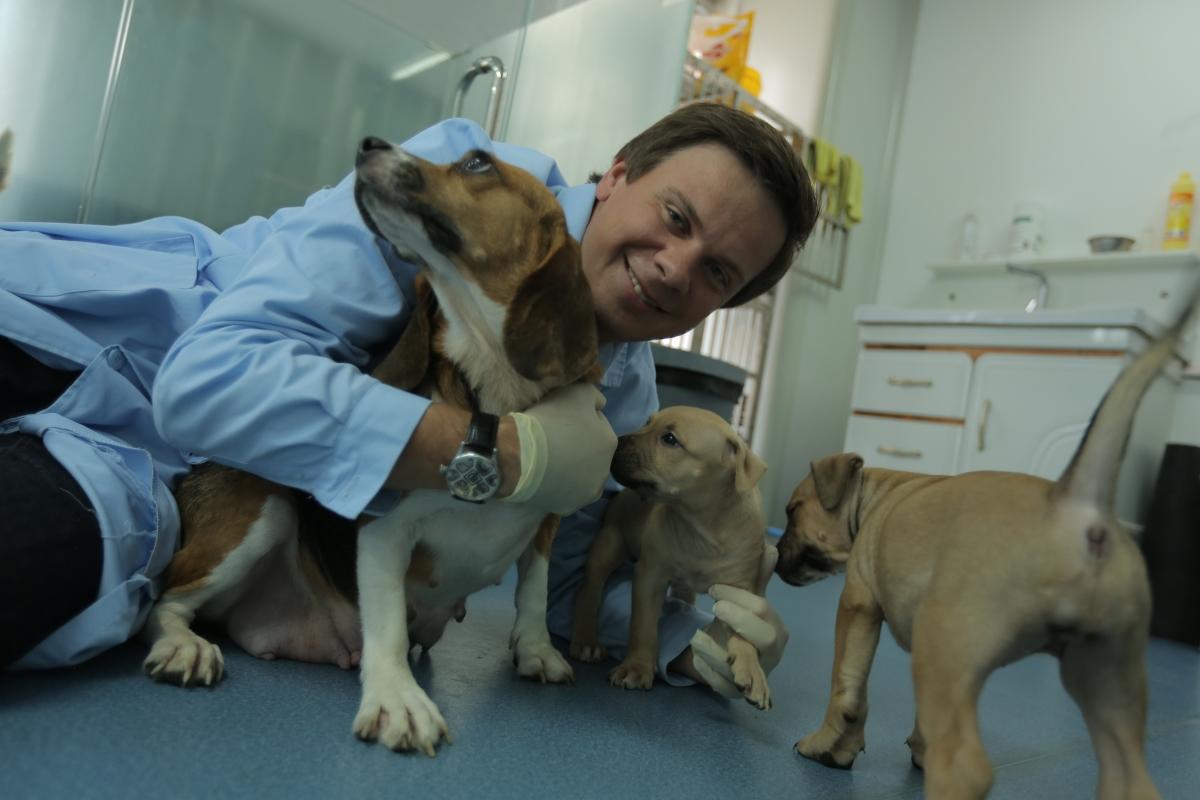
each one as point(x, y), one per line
point(800, 564)
point(627, 465)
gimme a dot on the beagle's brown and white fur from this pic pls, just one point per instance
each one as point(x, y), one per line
point(504, 309)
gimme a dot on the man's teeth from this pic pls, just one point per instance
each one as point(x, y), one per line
point(637, 288)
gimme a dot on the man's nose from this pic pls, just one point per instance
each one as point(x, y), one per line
point(677, 264)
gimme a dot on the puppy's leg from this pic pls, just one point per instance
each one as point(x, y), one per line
point(608, 551)
point(916, 744)
point(748, 674)
point(649, 593)
point(211, 569)
point(533, 653)
point(394, 710)
point(1107, 678)
point(841, 736)
point(952, 656)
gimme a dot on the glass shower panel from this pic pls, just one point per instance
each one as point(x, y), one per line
point(54, 59)
point(230, 108)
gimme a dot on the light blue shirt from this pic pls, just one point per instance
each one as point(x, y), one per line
point(251, 346)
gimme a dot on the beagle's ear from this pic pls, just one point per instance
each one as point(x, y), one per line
point(408, 362)
point(550, 331)
point(748, 467)
point(832, 477)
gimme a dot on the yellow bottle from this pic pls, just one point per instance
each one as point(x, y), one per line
point(1179, 213)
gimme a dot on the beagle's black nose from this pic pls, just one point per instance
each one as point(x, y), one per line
point(369, 144)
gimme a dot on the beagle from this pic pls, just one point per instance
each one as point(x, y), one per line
point(501, 320)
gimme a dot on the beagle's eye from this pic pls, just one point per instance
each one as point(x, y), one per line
point(476, 163)
point(669, 439)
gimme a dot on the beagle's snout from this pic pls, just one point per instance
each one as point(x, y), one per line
point(369, 145)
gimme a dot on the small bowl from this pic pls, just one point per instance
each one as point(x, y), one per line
point(1110, 244)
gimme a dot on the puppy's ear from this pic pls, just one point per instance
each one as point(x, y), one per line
point(832, 477)
point(748, 467)
point(550, 331)
point(408, 362)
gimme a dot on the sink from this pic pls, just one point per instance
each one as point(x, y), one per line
point(1103, 328)
point(1097, 316)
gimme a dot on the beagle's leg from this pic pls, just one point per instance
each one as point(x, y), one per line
point(1107, 678)
point(533, 653)
point(842, 736)
point(952, 656)
point(649, 593)
point(606, 553)
point(394, 710)
point(210, 571)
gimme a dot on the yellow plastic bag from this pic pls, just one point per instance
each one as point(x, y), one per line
point(723, 41)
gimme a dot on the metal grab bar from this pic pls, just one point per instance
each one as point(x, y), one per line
point(495, 66)
point(910, 383)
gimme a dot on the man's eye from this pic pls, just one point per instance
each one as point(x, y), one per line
point(476, 164)
point(677, 219)
point(669, 439)
point(719, 275)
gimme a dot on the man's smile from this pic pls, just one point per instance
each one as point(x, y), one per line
point(639, 291)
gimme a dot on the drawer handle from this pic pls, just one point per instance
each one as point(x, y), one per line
point(898, 452)
point(910, 383)
point(983, 423)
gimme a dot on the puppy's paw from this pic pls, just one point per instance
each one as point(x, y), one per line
point(749, 677)
point(830, 748)
point(541, 661)
point(588, 652)
point(916, 746)
point(401, 717)
point(632, 674)
point(185, 659)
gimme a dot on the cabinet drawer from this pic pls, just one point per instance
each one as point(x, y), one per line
point(904, 444)
point(905, 382)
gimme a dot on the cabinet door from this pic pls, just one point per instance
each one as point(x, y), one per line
point(1028, 413)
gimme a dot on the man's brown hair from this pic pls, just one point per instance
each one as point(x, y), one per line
point(761, 149)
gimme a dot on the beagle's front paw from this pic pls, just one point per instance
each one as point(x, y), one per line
point(633, 674)
point(541, 661)
point(185, 659)
point(401, 717)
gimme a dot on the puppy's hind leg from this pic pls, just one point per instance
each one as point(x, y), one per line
point(1107, 678)
point(952, 656)
point(210, 570)
point(533, 653)
point(394, 710)
point(842, 736)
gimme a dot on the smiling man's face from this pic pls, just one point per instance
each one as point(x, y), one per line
point(665, 251)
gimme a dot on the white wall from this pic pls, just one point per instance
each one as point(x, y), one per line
point(789, 46)
point(1088, 107)
point(810, 394)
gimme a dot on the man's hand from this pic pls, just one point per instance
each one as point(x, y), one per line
point(750, 616)
point(566, 449)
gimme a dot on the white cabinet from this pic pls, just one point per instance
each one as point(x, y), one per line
point(955, 397)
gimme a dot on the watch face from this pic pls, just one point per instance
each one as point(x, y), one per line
point(472, 476)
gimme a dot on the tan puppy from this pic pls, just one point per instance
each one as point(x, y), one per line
point(975, 571)
point(691, 517)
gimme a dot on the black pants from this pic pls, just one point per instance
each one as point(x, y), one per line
point(50, 549)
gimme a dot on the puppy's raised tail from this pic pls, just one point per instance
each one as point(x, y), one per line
point(1091, 477)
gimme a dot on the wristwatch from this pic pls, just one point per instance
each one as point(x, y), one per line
point(474, 472)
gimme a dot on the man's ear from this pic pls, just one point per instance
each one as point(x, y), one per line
point(832, 477)
point(748, 467)
point(550, 331)
point(609, 180)
point(408, 362)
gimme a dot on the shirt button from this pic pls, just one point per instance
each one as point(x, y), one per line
point(115, 359)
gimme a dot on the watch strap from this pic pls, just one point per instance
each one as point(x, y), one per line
point(481, 435)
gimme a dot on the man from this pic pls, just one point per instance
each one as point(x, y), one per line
point(126, 349)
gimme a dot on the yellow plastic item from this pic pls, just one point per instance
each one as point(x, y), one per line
point(723, 41)
point(1179, 213)
point(751, 81)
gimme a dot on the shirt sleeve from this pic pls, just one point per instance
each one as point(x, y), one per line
point(270, 377)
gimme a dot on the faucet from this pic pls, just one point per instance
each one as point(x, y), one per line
point(1043, 291)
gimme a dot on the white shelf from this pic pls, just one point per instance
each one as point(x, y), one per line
point(1083, 263)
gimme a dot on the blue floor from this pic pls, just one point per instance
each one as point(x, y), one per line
point(280, 729)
